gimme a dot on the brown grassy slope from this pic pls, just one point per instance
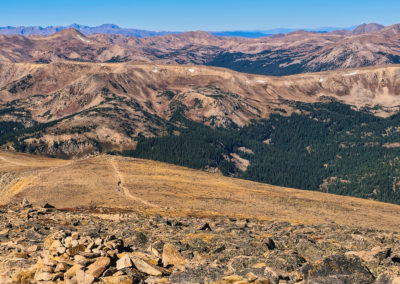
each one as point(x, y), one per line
point(11, 162)
point(137, 184)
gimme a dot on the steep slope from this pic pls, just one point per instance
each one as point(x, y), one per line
point(291, 53)
point(367, 28)
point(113, 103)
point(306, 131)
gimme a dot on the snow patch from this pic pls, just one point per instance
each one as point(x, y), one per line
point(83, 39)
point(191, 70)
point(321, 80)
point(261, 81)
point(155, 70)
point(351, 74)
point(247, 82)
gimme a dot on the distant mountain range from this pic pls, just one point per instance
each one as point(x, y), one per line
point(114, 29)
point(280, 54)
point(102, 29)
point(162, 98)
point(255, 34)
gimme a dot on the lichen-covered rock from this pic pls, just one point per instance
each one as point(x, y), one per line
point(171, 256)
point(124, 262)
point(338, 269)
point(122, 279)
point(88, 247)
point(98, 267)
point(146, 267)
point(377, 254)
point(388, 278)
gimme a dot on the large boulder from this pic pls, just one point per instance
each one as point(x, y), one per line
point(377, 254)
point(338, 269)
point(388, 278)
point(171, 256)
point(98, 267)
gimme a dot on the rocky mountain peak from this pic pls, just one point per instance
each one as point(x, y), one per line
point(367, 28)
point(393, 30)
point(68, 33)
point(197, 35)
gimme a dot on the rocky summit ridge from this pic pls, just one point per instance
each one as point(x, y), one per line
point(182, 226)
point(98, 245)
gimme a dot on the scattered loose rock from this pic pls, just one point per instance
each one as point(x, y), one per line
point(87, 247)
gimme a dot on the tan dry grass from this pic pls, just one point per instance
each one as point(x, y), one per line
point(12, 162)
point(178, 191)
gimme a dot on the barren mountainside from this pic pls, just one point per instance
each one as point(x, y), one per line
point(116, 102)
point(165, 98)
point(306, 131)
point(283, 54)
point(115, 29)
point(129, 156)
point(367, 28)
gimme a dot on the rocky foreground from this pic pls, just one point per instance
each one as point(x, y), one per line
point(45, 245)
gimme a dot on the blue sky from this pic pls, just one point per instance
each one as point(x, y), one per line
point(211, 15)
